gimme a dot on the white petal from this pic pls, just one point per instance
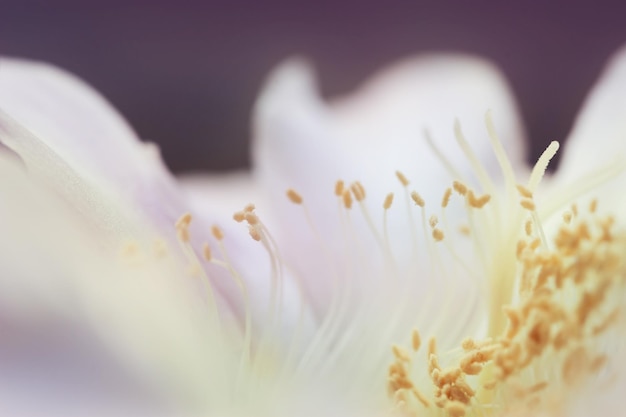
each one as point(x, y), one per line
point(68, 134)
point(302, 142)
point(594, 159)
point(598, 137)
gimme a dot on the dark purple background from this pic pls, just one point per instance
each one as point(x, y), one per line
point(186, 73)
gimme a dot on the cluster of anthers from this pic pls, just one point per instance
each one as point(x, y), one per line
point(568, 297)
point(550, 303)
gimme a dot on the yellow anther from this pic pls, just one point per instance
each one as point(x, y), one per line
point(433, 221)
point(446, 197)
point(524, 192)
point(593, 206)
point(455, 409)
point(477, 202)
point(417, 199)
point(206, 252)
point(293, 196)
point(388, 201)
point(217, 232)
point(184, 221)
point(400, 353)
point(528, 205)
point(339, 188)
point(347, 199)
point(528, 227)
point(432, 346)
point(459, 187)
point(567, 217)
point(251, 218)
point(468, 344)
point(416, 340)
point(239, 216)
point(438, 235)
point(358, 190)
point(249, 208)
point(403, 180)
point(254, 233)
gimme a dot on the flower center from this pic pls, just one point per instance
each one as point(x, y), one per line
point(551, 306)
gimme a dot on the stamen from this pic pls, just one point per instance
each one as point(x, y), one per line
point(339, 188)
point(446, 163)
point(542, 164)
point(388, 201)
point(479, 170)
point(417, 199)
point(446, 198)
point(403, 180)
point(347, 199)
point(459, 187)
point(217, 233)
point(294, 197)
point(358, 190)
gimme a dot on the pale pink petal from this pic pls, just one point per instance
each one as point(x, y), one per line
point(72, 142)
point(301, 141)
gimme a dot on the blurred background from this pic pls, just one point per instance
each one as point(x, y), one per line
point(186, 74)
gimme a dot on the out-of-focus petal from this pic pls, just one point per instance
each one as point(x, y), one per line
point(71, 136)
point(302, 142)
point(598, 137)
point(72, 140)
point(594, 158)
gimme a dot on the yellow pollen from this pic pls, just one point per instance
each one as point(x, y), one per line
point(249, 208)
point(455, 409)
point(347, 199)
point(567, 217)
point(251, 218)
point(254, 233)
point(217, 233)
point(446, 197)
point(433, 221)
point(416, 340)
point(403, 180)
point(183, 221)
point(239, 216)
point(358, 190)
point(524, 192)
point(528, 205)
point(438, 234)
point(477, 202)
point(388, 201)
point(294, 197)
point(459, 187)
point(417, 199)
point(339, 188)
point(528, 228)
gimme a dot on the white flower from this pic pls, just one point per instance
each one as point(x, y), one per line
point(409, 215)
